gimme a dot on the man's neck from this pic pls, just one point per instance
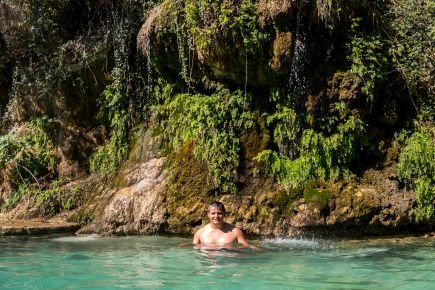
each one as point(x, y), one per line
point(219, 226)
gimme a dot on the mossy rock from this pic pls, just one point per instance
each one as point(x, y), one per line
point(189, 190)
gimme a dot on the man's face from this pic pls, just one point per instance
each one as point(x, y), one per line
point(215, 215)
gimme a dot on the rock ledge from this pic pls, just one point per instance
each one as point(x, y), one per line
point(10, 227)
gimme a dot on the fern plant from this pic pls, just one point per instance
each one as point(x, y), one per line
point(213, 122)
point(321, 156)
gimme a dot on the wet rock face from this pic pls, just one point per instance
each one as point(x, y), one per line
point(375, 206)
point(259, 213)
point(14, 38)
point(46, 67)
point(141, 205)
point(134, 201)
point(142, 208)
point(279, 12)
point(150, 197)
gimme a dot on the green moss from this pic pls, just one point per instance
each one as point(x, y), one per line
point(282, 201)
point(190, 187)
point(255, 140)
point(316, 195)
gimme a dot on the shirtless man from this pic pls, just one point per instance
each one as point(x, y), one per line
point(217, 232)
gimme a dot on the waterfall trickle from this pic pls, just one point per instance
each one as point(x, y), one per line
point(297, 81)
point(149, 83)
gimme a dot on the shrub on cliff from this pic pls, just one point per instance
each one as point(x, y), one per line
point(416, 167)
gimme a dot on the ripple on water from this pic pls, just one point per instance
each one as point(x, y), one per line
point(365, 252)
point(296, 243)
point(78, 257)
point(74, 239)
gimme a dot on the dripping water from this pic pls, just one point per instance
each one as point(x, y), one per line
point(148, 5)
point(297, 80)
point(149, 83)
point(297, 84)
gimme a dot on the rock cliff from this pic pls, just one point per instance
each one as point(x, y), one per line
point(105, 76)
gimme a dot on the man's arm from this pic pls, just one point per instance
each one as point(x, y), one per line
point(241, 237)
point(197, 237)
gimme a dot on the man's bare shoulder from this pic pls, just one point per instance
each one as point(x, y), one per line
point(201, 230)
point(197, 235)
point(237, 231)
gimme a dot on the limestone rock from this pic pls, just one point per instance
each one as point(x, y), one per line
point(137, 208)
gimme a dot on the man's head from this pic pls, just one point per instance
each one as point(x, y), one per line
point(216, 213)
point(216, 204)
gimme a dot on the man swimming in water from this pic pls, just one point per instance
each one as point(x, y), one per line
point(218, 233)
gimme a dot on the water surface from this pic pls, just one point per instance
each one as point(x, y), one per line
point(152, 262)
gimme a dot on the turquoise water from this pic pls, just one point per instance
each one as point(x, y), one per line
point(156, 263)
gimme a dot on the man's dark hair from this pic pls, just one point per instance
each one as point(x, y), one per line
point(217, 204)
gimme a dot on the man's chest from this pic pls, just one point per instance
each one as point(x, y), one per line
point(217, 237)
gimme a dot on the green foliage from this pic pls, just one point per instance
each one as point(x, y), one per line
point(320, 156)
point(368, 57)
point(208, 22)
point(50, 200)
point(28, 160)
point(54, 199)
point(113, 113)
point(290, 173)
point(126, 91)
point(213, 123)
point(15, 197)
point(286, 128)
point(416, 165)
point(31, 154)
point(317, 153)
point(84, 217)
point(43, 146)
point(163, 93)
point(412, 24)
point(9, 147)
